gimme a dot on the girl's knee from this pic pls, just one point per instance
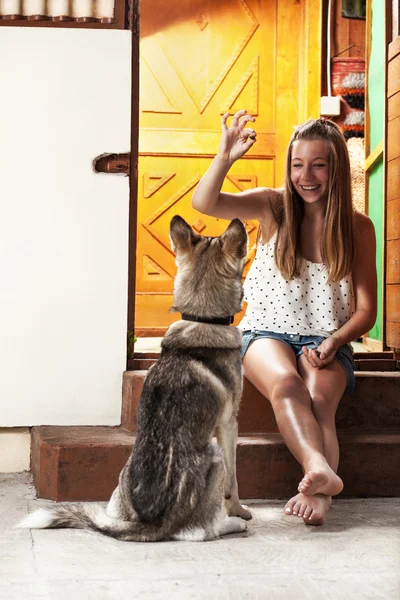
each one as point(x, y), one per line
point(324, 411)
point(289, 387)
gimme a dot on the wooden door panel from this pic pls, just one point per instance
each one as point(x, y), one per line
point(394, 106)
point(393, 179)
point(392, 332)
point(155, 261)
point(393, 218)
point(393, 76)
point(393, 265)
point(393, 139)
point(201, 66)
point(200, 59)
point(172, 142)
point(393, 301)
point(392, 283)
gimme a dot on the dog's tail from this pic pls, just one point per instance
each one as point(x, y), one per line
point(94, 517)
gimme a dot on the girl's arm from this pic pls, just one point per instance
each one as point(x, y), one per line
point(365, 292)
point(236, 140)
point(364, 284)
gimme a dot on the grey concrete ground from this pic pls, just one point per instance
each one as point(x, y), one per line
point(356, 555)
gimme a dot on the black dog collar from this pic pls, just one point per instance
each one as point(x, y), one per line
point(214, 321)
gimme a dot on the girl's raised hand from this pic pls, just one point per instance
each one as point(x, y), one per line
point(237, 139)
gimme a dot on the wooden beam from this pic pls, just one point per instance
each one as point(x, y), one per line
point(373, 158)
point(133, 164)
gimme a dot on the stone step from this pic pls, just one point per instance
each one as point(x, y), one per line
point(78, 463)
point(369, 464)
point(83, 463)
point(375, 406)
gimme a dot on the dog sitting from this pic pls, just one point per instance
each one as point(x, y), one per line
point(177, 483)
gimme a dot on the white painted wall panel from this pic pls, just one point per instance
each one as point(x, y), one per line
point(65, 98)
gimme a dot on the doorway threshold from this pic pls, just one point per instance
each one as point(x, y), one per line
point(148, 344)
point(153, 344)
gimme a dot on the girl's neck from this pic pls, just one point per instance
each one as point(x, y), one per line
point(314, 213)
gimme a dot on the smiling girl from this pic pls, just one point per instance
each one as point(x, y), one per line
point(311, 290)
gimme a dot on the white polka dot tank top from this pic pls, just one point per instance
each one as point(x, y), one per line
point(308, 305)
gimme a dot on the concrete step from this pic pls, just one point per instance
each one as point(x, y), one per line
point(83, 463)
point(78, 463)
point(369, 463)
point(375, 406)
point(363, 361)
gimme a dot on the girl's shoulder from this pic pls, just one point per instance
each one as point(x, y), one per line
point(363, 224)
point(365, 243)
point(269, 220)
point(271, 197)
point(275, 196)
point(273, 203)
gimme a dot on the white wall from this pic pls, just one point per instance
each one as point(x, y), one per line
point(15, 450)
point(65, 98)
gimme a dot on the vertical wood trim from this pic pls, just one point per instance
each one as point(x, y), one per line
point(388, 39)
point(367, 137)
point(313, 56)
point(368, 42)
point(119, 13)
point(133, 180)
point(303, 67)
point(277, 175)
point(324, 23)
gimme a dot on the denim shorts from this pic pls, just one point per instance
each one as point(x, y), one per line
point(344, 355)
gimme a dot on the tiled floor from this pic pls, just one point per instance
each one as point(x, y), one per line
point(356, 555)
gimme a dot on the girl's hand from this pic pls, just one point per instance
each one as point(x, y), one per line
point(237, 139)
point(324, 354)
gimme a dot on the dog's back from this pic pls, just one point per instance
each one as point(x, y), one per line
point(183, 398)
point(173, 484)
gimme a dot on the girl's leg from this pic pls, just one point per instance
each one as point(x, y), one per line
point(326, 387)
point(271, 366)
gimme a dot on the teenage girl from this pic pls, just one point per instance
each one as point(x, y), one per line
point(311, 290)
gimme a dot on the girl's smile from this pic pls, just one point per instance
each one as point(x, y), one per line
point(309, 170)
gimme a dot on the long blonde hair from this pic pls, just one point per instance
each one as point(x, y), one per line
point(337, 243)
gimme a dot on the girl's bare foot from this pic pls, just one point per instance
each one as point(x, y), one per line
point(312, 509)
point(321, 480)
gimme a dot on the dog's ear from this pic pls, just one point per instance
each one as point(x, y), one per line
point(234, 240)
point(182, 235)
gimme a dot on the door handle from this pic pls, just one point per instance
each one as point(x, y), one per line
point(113, 163)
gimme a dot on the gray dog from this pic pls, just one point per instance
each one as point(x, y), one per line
point(178, 484)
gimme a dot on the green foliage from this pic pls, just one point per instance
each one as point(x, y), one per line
point(131, 339)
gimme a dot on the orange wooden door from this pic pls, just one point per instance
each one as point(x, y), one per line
point(199, 60)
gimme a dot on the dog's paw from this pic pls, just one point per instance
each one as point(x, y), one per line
point(235, 509)
point(231, 525)
point(240, 524)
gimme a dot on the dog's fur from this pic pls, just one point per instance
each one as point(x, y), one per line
point(176, 483)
